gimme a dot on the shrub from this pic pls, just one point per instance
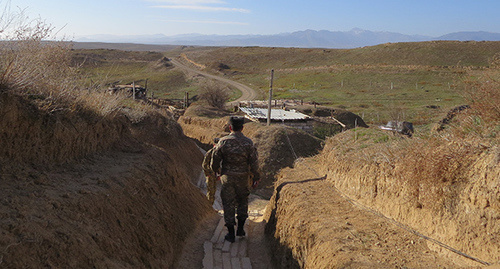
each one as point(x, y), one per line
point(28, 63)
point(215, 94)
point(42, 70)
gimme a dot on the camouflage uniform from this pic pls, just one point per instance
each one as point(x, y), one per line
point(236, 159)
point(211, 178)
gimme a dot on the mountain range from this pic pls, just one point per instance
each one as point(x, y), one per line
point(301, 39)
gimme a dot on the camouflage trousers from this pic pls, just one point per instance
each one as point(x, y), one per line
point(234, 194)
point(211, 187)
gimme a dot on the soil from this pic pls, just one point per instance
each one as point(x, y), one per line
point(95, 193)
point(316, 227)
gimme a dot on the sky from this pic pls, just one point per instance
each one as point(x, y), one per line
point(76, 18)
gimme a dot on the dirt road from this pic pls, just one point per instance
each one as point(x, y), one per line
point(247, 93)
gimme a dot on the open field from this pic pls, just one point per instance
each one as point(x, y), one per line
point(415, 81)
point(103, 67)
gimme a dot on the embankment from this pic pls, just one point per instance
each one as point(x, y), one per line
point(445, 190)
point(82, 190)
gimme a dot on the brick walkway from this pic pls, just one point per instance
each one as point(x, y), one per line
point(222, 254)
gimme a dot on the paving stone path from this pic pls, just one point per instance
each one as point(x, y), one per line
point(221, 254)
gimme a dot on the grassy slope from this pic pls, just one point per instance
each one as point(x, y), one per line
point(379, 81)
point(104, 66)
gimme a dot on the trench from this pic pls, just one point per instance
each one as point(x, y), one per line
point(206, 248)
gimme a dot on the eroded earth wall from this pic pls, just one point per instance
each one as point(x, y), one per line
point(457, 202)
point(80, 191)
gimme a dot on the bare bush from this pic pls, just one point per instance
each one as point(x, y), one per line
point(35, 65)
point(215, 94)
point(28, 62)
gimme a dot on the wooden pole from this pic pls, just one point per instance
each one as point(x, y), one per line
point(270, 99)
point(133, 90)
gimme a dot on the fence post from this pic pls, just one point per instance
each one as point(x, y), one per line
point(133, 90)
point(270, 99)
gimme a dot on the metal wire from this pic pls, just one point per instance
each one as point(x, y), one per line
point(405, 227)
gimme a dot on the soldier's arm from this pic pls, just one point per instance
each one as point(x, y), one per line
point(216, 159)
point(207, 163)
point(254, 165)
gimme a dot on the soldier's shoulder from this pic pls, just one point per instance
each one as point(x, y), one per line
point(247, 139)
point(225, 138)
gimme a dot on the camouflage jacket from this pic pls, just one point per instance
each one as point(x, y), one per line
point(235, 154)
point(207, 160)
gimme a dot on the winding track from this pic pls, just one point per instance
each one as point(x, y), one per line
point(247, 93)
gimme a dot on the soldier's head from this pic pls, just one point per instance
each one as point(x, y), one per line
point(236, 123)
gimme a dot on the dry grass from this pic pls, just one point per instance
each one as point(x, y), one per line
point(49, 115)
point(45, 71)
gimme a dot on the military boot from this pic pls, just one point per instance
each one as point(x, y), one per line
point(230, 234)
point(241, 225)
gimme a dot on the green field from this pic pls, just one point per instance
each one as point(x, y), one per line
point(106, 67)
point(417, 82)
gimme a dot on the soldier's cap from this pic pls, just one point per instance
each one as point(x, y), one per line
point(236, 121)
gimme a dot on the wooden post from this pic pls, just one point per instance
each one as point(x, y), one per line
point(133, 90)
point(270, 99)
point(355, 126)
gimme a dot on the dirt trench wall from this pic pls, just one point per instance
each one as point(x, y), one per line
point(115, 195)
point(272, 143)
point(29, 135)
point(204, 129)
point(464, 214)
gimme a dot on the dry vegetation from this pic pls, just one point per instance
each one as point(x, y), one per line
point(214, 94)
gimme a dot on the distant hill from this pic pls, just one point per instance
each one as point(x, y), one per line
point(354, 38)
point(476, 36)
point(429, 53)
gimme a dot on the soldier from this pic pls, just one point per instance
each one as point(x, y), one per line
point(235, 158)
point(211, 177)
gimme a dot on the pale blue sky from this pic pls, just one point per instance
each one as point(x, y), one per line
point(172, 17)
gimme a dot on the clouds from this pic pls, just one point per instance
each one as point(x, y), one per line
point(198, 5)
